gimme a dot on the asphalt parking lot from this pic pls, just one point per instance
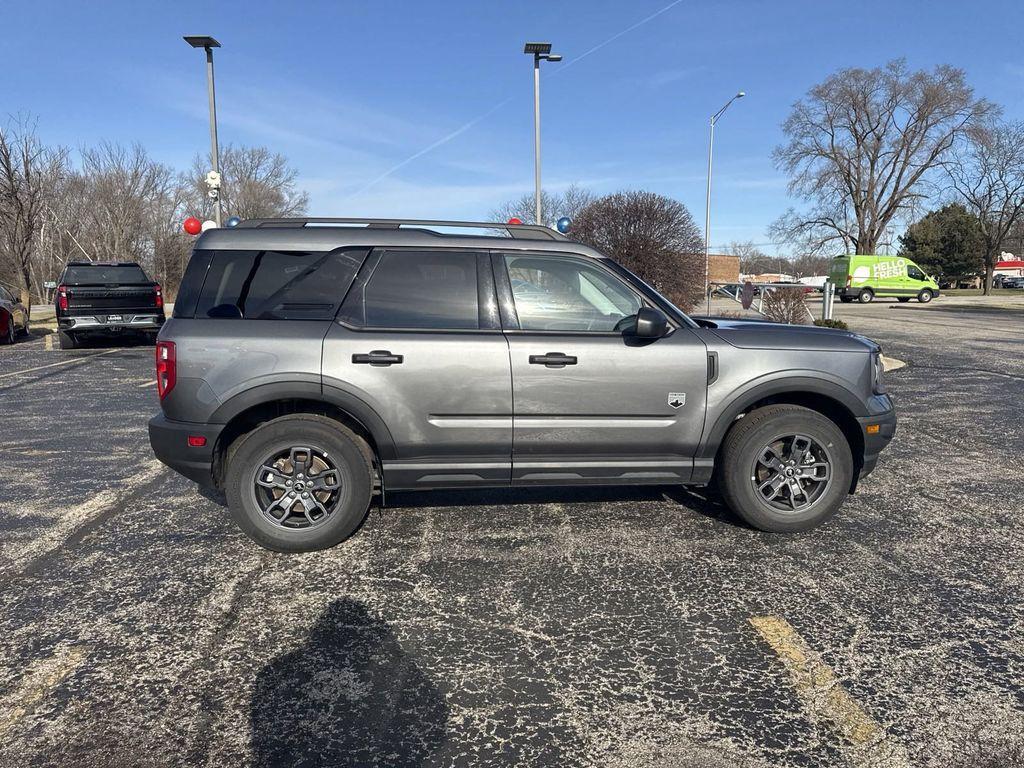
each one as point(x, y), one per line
point(566, 628)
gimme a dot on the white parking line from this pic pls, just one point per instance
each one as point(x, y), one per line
point(824, 697)
point(48, 342)
point(54, 365)
point(148, 384)
point(38, 682)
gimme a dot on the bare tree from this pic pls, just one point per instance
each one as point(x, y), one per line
point(753, 260)
point(555, 205)
point(25, 165)
point(859, 148)
point(987, 173)
point(257, 183)
point(654, 236)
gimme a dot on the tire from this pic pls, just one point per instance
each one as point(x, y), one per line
point(902, 299)
point(740, 471)
point(67, 340)
point(925, 296)
point(866, 296)
point(297, 442)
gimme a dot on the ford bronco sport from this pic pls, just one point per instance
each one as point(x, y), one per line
point(311, 363)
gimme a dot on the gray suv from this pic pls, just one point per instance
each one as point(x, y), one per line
point(312, 363)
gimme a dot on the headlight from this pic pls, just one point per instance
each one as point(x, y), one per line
point(877, 385)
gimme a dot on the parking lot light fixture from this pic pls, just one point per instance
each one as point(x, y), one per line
point(707, 202)
point(540, 52)
point(208, 43)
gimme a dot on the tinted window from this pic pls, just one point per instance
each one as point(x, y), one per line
point(560, 294)
point(276, 285)
point(915, 273)
point(100, 273)
point(423, 289)
point(192, 284)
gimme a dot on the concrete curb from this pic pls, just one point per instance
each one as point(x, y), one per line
point(891, 363)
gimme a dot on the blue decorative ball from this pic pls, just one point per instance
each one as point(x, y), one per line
point(234, 221)
point(562, 225)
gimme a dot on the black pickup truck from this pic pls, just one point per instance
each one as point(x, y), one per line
point(103, 298)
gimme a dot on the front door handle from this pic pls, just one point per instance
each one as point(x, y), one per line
point(378, 358)
point(553, 360)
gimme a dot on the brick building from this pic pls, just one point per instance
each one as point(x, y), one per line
point(723, 268)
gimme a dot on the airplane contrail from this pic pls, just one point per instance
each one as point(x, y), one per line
point(462, 129)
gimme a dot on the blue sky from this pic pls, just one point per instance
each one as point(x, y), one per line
point(350, 91)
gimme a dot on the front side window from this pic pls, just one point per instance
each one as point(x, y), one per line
point(915, 273)
point(276, 285)
point(555, 293)
point(422, 289)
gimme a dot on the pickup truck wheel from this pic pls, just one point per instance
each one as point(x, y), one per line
point(785, 468)
point(299, 483)
point(865, 296)
point(67, 340)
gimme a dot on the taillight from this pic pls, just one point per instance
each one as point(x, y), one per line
point(166, 368)
point(62, 297)
point(159, 298)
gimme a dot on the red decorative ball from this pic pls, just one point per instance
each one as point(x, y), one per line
point(514, 220)
point(193, 225)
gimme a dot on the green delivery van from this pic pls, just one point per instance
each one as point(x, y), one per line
point(862, 278)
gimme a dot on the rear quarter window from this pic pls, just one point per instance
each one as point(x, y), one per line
point(276, 285)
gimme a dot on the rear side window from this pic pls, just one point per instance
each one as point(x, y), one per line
point(277, 285)
point(104, 273)
point(419, 289)
point(192, 283)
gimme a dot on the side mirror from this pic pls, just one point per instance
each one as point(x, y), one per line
point(651, 323)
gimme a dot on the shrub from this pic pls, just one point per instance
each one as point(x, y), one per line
point(786, 305)
point(833, 323)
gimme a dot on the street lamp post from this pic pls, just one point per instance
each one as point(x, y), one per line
point(707, 202)
point(540, 51)
point(213, 180)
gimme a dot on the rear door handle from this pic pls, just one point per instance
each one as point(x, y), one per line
point(553, 360)
point(378, 358)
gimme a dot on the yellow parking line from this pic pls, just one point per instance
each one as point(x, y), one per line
point(48, 342)
point(38, 682)
point(825, 698)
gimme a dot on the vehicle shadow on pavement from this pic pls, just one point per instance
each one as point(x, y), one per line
point(350, 695)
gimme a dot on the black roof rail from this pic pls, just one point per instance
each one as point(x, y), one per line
point(518, 231)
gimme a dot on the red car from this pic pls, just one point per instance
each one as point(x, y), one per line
point(13, 317)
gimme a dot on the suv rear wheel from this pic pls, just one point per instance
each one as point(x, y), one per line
point(785, 468)
point(299, 483)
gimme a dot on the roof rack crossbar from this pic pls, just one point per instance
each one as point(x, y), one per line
point(519, 231)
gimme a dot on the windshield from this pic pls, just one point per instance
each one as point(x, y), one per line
point(105, 273)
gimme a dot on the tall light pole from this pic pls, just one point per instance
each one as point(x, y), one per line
point(707, 202)
point(213, 179)
point(541, 52)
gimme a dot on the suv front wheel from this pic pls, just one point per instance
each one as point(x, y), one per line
point(785, 468)
point(299, 483)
